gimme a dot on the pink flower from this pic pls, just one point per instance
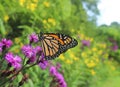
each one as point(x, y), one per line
point(5, 44)
point(33, 38)
point(13, 60)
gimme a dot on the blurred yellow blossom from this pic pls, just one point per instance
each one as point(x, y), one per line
point(52, 21)
point(22, 2)
point(16, 50)
point(62, 57)
point(83, 54)
point(102, 45)
point(21, 44)
point(92, 72)
point(100, 52)
point(46, 4)
point(68, 61)
point(90, 63)
point(6, 18)
point(44, 21)
point(82, 36)
point(94, 49)
point(17, 40)
point(91, 39)
point(31, 6)
point(97, 60)
point(75, 58)
point(106, 55)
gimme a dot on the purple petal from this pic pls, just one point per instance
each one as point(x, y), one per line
point(43, 64)
point(53, 70)
point(33, 38)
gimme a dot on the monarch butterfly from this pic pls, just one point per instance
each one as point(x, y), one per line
point(53, 44)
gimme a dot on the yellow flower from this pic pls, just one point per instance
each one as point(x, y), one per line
point(93, 72)
point(91, 39)
point(100, 52)
point(105, 55)
point(91, 64)
point(21, 44)
point(16, 50)
point(52, 21)
point(82, 36)
point(62, 57)
point(6, 18)
point(22, 2)
point(44, 21)
point(94, 49)
point(102, 45)
point(68, 61)
point(97, 60)
point(31, 6)
point(17, 40)
point(86, 61)
point(75, 58)
point(46, 4)
point(83, 54)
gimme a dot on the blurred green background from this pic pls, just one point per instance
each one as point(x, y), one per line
point(96, 65)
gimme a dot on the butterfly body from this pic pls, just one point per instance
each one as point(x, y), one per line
point(55, 44)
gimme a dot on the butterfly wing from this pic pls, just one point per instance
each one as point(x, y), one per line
point(55, 44)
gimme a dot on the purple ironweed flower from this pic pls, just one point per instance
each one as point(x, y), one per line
point(28, 51)
point(58, 77)
point(33, 38)
point(31, 52)
point(38, 50)
point(5, 43)
point(53, 70)
point(60, 80)
point(114, 47)
point(86, 43)
point(0, 49)
point(43, 64)
point(13, 60)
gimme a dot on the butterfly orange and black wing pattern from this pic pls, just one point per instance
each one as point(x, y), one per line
point(55, 44)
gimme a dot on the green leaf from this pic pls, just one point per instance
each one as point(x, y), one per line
point(2, 28)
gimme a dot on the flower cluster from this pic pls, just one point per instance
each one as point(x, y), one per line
point(32, 55)
point(4, 43)
point(13, 60)
point(58, 77)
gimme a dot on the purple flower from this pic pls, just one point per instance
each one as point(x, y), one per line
point(5, 43)
point(53, 70)
point(38, 49)
point(86, 43)
point(0, 49)
point(14, 60)
point(114, 47)
point(43, 64)
point(31, 53)
point(58, 77)
point(33, 38)
point(28, 51)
